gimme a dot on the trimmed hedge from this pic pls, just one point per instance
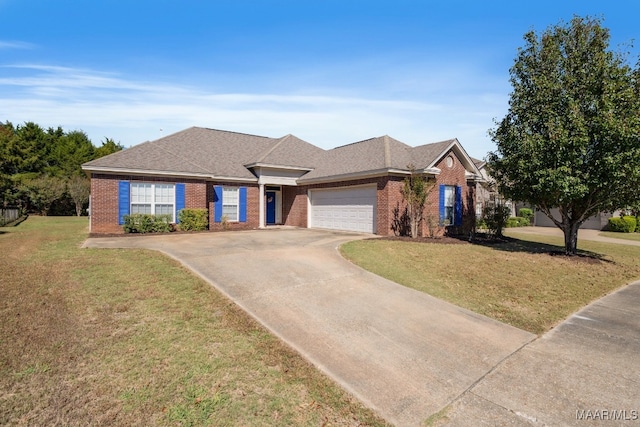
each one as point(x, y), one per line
point(193, 219)
point(146, 223)
point(517, 221)
point(625, 224)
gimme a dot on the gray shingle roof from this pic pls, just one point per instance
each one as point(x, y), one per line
point(373, 154)
point(194, 150)
point(291, 151)
point(427, 155)
point(477, 162)
point(222, 154)
point(376, 155)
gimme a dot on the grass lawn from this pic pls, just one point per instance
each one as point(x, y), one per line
point(517, 282)
point(129, 337)
point(625, 236)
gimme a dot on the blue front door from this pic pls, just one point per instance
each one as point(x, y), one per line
point(271, 207)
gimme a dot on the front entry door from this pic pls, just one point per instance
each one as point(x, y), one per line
point(271, 207)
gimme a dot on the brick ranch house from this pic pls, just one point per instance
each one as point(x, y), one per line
point(250, 182)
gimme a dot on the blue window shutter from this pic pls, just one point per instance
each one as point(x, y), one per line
point(441, 207)
point(242, 217)
point(217, 200)
point(180, 196)
point(123, 200)
point(458, 206)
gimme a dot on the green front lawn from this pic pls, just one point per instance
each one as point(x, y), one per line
point(130, 337)
point(518, 282)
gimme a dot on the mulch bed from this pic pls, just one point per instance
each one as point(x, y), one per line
point(446, 240)
point(479, 238)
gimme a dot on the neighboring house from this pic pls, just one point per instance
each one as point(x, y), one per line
point(596, 222)
point(249, 182)
point(487, 192)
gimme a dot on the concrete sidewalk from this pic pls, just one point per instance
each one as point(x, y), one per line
point(586, 371)
point(403, 353)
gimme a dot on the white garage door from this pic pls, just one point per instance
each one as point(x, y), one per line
point(349, 209)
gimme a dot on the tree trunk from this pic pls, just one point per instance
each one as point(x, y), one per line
point(413, 221)
point(571, 238)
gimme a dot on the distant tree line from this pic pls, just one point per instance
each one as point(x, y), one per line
point(40, 170)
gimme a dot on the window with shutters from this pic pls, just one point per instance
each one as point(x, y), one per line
point(449, 204)
point(230, 203)
point(154, 199)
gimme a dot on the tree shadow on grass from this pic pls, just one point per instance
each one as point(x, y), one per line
point(511, 244)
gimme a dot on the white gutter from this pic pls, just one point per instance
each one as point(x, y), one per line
point(126, 171)
point(351, 176)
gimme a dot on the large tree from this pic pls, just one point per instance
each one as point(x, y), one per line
point(31, 156)
point(571, 137)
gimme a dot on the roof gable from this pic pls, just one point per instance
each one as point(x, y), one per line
point(368, 156)
point(290, 151)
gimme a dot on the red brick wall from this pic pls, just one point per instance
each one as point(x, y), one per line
point(200, 194)
point(454, 175)
point(253, 208)
point(294, 206)
point(195, 195)
point(394, 207)
point(389, 198)
point(104, 204)
point(295, 201)
point(104, 198)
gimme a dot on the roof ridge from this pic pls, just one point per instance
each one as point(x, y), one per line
point(272, 148)
point(357, 142)
point(437, 142)
point(231, 131)
point(387, 151)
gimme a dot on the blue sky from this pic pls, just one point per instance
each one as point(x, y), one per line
point(330, 72)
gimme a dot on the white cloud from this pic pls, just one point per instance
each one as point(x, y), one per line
point(107, 105)
point(6, 44)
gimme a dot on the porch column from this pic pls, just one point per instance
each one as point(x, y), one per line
point(261, 216)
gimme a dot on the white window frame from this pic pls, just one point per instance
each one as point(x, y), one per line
point(153, 201)
point(231, 198)
point(449, 204)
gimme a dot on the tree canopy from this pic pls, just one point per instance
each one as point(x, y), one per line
point(571, 137)
point(37, 166)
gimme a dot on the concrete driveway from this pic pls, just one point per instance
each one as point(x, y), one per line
point(403, 353)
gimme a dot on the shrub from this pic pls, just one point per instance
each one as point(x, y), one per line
point(193, 219)
point(495, 217)
point(517, 221)
point(625, 224)
point(526, 213)
point(146, 223)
